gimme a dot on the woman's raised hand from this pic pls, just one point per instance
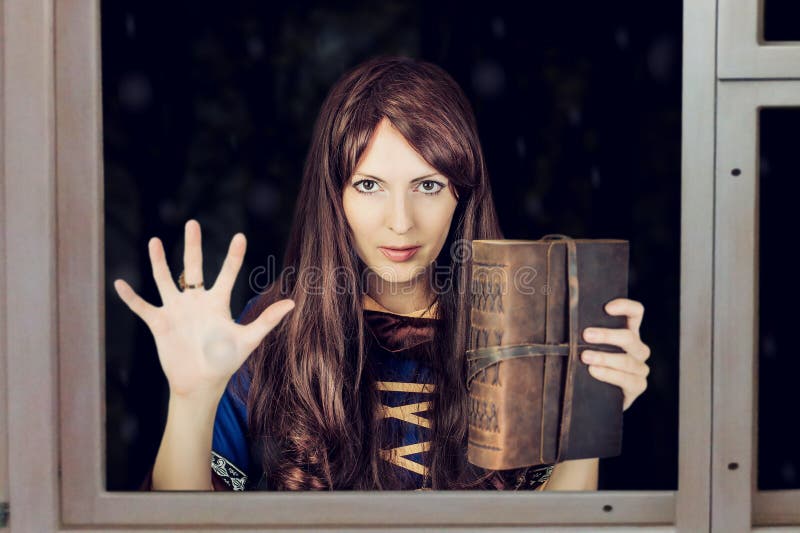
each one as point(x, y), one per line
point(199, 344)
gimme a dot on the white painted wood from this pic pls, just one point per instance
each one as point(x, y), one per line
point(736, 497)
point(697, 207)
point(3, 300)
point(734, 315)
point(30, 301)
point(742, 50)
point(537, 529)
point(385, 508)
point(776, 507)
point(80, 252)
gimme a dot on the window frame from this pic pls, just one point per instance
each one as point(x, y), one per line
point(3, 335)
point(737, 498)
point(751, 56)
point(752, 75)
point(55, 279)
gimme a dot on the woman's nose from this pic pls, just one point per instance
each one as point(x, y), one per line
point(399, 216)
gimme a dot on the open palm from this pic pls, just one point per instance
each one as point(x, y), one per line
point(199, 344)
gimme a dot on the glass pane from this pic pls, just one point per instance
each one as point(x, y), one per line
point(208, 114)
point(780, 20)
point(778, 365)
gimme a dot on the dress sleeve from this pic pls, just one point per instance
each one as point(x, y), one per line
point(230, 455)
point(231, 468)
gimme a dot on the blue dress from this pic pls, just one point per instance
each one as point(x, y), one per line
point(405, 387)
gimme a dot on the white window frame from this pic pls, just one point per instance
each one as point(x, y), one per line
point(3, 336)
point(752, 75)
point(53, 224)
point(743, 52)
point(736, 495)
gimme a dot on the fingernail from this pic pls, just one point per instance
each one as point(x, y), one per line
point(590, 335)
point(587, 357)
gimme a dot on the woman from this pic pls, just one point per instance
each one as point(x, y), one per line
point(328, 396)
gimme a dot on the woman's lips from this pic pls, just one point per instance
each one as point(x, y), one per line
point(399, 255)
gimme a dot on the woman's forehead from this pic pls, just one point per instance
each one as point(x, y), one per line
point(389, 156)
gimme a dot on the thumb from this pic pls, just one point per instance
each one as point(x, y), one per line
point(266, 321)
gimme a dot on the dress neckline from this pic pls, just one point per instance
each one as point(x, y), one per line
point(371, 304)
point(399, 332)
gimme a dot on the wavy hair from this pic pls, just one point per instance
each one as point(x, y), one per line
point(311, 404)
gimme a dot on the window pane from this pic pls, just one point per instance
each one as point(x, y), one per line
point(208, 114)
point(778, 364)
point(780, 20)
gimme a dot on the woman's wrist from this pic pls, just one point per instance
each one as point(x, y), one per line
point(199, 408)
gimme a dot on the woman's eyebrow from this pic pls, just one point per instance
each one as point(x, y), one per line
point(383, 181)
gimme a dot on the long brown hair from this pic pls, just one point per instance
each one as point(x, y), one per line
point(311, 404)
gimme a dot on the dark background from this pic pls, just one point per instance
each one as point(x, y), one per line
point(208, 110)
point(780, 20)
point(778, 363)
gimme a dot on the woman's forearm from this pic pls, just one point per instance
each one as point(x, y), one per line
point(578, 474)
point(184, 457)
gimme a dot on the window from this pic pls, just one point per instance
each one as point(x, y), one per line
point(62, 251)
point(757, 94)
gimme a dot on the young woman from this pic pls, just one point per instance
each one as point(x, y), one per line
point(362, 385)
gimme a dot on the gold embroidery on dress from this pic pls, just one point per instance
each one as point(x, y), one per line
point(402, 386)
point(397, 456)
point(407, 413)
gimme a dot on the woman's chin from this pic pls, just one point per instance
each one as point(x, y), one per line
point(399, 273)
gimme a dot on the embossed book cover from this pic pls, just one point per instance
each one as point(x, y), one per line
point(532, 400)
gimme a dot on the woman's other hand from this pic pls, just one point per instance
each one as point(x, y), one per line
point(626, 370)
point(199, 344)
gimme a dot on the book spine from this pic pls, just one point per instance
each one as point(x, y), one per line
point(489, 284)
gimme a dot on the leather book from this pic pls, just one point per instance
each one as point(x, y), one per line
point(531, 399)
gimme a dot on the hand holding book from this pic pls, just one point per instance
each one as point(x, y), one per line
point(627, 370)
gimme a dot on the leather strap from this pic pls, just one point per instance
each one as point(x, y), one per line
point(482, 358)
point(574, 335)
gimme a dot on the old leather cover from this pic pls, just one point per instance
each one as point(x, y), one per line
point(532, 400)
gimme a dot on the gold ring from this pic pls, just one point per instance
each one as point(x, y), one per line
point(182, 283)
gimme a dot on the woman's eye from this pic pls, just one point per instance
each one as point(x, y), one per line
point(368, 190)
point(429, 187)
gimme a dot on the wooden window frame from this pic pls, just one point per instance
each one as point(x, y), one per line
point(752, 75)
point(743, 52)
point(736, 494)
point(53, 222)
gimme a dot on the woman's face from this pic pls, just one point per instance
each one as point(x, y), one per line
point(396, 199)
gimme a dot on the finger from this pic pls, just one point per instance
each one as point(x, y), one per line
point(231, 265)
point(631, 308)
point(622, 337)
point(643, 353)
point(161, 274)
point(266, 321)
point(192, 254)
point(632, 386)
point(135, 303)
point(618, 361)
